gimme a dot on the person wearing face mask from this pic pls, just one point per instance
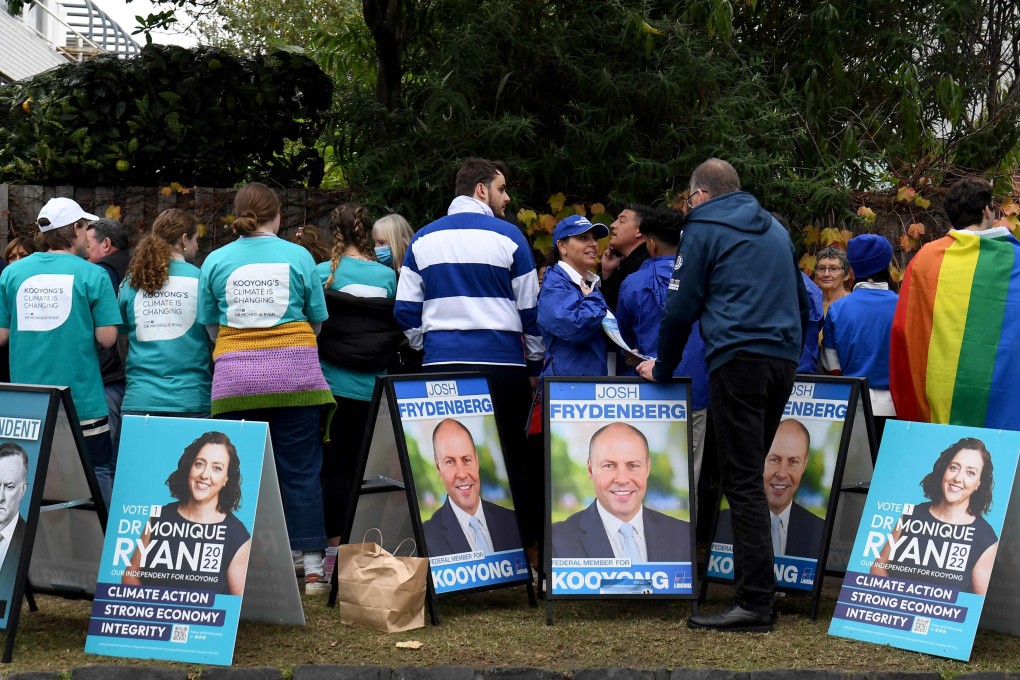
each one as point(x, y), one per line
point(169, 358)
point(392, 235)
point(570, 306)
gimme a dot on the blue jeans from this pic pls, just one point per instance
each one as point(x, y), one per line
point(100, 453)
point(297, 448)
point(114, 393)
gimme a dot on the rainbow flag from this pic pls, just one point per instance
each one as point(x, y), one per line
point(955, 350)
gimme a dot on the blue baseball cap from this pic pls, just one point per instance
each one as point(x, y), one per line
point(575, 225)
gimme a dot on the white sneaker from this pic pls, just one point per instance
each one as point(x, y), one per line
point(315, 575)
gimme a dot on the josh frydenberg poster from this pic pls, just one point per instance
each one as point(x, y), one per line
point(801, 469)
point(179, 537)
point(926, 545)
point(618, 474)
point(460, 483)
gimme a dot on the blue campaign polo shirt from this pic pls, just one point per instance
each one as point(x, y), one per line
point(858, 326)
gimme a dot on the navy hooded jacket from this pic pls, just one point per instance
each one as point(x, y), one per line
point(736, 271)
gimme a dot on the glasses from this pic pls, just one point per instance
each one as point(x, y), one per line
point(690, 198)
point(829, 270)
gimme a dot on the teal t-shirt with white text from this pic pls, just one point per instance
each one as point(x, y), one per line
point(259, 282)
point(52, 303)
point(169, 363)
point(360, 278)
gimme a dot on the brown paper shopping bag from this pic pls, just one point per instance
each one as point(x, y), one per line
point(380, 590)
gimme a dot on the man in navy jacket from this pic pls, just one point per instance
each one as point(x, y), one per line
point(736, 271)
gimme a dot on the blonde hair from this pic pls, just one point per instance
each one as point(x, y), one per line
point(395, 230)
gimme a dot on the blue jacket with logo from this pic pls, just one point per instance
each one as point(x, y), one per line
point(571, 325)
point(639, 312)
point(737, 273)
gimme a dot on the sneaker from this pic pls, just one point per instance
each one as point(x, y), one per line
point(314, 584)
point(315, 575)
point(299, 562)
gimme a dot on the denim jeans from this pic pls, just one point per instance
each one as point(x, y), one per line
point(297, 448)
point(747, 396)
point(100, 453)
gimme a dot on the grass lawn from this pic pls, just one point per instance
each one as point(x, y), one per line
point(498, 628)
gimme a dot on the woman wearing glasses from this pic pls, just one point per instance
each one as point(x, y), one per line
point(832, 274)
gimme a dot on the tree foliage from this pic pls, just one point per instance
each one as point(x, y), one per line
point(611, 104)
point(197, 116)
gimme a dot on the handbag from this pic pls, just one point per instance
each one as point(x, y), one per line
point(380, 590)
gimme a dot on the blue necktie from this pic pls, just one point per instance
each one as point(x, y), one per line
point(630, 546)
point(480, 542)
point(777, 535)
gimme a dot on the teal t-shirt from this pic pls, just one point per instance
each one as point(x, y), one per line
point(169, 359)
point(52, 303)
point(259, 282)
point(360, 278)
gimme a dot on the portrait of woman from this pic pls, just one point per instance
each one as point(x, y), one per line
point(205, 545)
point(959, 489)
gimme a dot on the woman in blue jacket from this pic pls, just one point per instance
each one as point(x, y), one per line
point(570, 304)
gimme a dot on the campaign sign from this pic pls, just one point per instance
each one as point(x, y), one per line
point(619, 488)
point(801, 470)
point(927, 542)
point(459, 483)
point(23, 424)
point(175, 559)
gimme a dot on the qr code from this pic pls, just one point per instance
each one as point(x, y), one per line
point(212, 557)
point(180, 634)
point(920, 625)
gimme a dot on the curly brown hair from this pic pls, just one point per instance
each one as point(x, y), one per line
point(351, 227)
point(308, 237)
point(149, 269)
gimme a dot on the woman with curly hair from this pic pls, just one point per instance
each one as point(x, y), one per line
point(207, 486)
point(357, 343)
point(948, 535)
point(261, 299)
point(168, 367)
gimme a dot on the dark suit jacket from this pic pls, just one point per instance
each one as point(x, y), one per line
point(803, 537)
point(444, 536)
point(9, 569)
point(667, 539)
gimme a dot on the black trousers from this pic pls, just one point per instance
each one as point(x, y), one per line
point(339, 460)
point(511, 397)
point(747, 396)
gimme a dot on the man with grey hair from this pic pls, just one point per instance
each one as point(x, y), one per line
point(13, 484)
point(737, 272)
point(107, 246)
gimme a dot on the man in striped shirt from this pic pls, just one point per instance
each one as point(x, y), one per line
point(468, 296)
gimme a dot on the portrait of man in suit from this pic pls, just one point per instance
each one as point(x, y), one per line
point(465, 522)
point(796, 531)
point(13, 484)
point(617, 524)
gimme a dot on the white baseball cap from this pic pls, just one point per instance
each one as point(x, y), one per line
point(60, 212)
